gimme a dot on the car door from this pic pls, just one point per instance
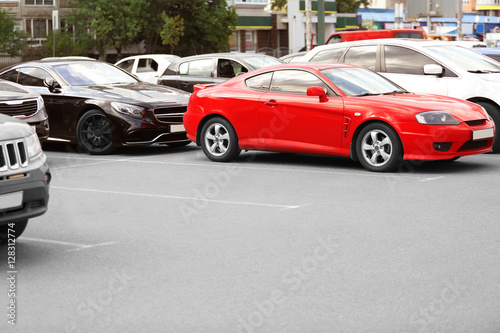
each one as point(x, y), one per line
point(405, 67)
point(292, 120)
point(199, 71)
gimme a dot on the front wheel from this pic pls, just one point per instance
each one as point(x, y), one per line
point(219, 141)
point(94, 133)
point(8, 231)
point(379, 148)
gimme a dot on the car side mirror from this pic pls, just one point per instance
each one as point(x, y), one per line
point(317, 91)
point(53, 85)
point(433, 69)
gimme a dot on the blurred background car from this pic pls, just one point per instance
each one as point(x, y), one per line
point(147, 67)
point(293, 57)
point(185, 72)
point(424, 66)
point(99, 106)
point(20, 102)
point(24, 177)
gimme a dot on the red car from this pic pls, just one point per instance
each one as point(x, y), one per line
point(333, 109)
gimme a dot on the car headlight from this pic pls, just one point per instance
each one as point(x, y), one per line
point(40, 102)
point(436, 118)
point(33, 146)
point(129, 110)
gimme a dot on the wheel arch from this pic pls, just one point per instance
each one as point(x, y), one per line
point(352, 148)
point(204, 121)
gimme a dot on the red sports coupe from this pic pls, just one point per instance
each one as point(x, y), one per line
point(333, 109)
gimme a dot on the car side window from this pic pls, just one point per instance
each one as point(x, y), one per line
point(126, 65)
point(201, 67)
point(260, 82)
point(363, 56)
point(229, 68)
point(328, 55)
point(147, 65)
point(32, 76)
point(405, 61)
point(10, 75)
point(295, 82)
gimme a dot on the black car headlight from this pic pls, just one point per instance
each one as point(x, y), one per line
point(436, 118)
point(129, 109)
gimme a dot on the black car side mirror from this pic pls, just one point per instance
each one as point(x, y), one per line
point(54, 86)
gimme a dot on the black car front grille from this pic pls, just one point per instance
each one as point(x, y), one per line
point(13, 155)
point(469, 145)
point(25, 108)
point(475, 122)
point(171, 115)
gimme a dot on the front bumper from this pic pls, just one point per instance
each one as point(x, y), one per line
point(439, 142)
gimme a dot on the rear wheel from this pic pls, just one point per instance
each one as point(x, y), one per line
point(379, 148)
point(94, 133)
point(8, 231)
point(494, 112)
point(219, 141)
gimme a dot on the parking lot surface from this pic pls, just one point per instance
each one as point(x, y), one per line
point(163, 240)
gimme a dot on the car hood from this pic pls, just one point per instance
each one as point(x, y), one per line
point(13, 91)
point(12, 128)
point(136, 93)
point(416, 103)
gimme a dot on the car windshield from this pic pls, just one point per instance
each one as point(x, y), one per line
point(357, 81)
point(89, 73)
point(466, 59)
point(262, 61)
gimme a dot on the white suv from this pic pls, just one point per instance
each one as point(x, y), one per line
point(423, 66)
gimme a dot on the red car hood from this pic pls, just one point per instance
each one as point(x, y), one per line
point(416, 103)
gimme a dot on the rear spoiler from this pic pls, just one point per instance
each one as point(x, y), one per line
point(198, 87)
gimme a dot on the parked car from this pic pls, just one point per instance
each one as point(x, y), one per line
point(99, 106)
point(293, 57)
point(492, 52)
point(424, 67)
point(147, 67)
point(24, 177)
point(333, 109)
point(19, 102)
point(184, 73)
point(348, 36)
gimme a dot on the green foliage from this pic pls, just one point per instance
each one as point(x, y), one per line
point(67, 45)
point(13, 41)
point(172, 31)
point(279, 4)
point(351, 6)
point(115, 23)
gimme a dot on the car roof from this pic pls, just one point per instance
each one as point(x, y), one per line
point(394, 41)
point(225, 55)
point(155, 55)
point(305, 65)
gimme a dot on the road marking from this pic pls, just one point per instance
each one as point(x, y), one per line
point(77, 247)
point(248, 203)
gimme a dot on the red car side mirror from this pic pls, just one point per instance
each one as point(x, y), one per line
point(317, 91)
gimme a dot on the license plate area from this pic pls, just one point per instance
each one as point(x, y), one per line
point(11, 200)
point(486, 133)
point(177, 128)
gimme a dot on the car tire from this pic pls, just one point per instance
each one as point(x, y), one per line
point(379, 148)
point(494, 112)
point(219, 140)
point(94, 133)
point(15, 232)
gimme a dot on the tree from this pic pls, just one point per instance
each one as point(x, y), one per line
point(172, 31)
point(13, 41)
point(115, 23)
point(67, 45)
point(351, 6)
point(279, 4)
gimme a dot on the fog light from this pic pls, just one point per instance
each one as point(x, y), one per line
point(442, 146)
point(47, 177)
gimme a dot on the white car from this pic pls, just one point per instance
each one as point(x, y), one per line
point(424, 66)
point(147, 67)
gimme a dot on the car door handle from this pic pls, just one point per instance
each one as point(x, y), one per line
point(271, 103)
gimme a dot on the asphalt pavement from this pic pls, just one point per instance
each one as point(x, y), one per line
point(163, 240)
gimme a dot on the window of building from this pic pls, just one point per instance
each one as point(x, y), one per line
point(38, 28)
point(39, 2)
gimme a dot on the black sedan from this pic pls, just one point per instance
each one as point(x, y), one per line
point(184, 73)
point(99, 106)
